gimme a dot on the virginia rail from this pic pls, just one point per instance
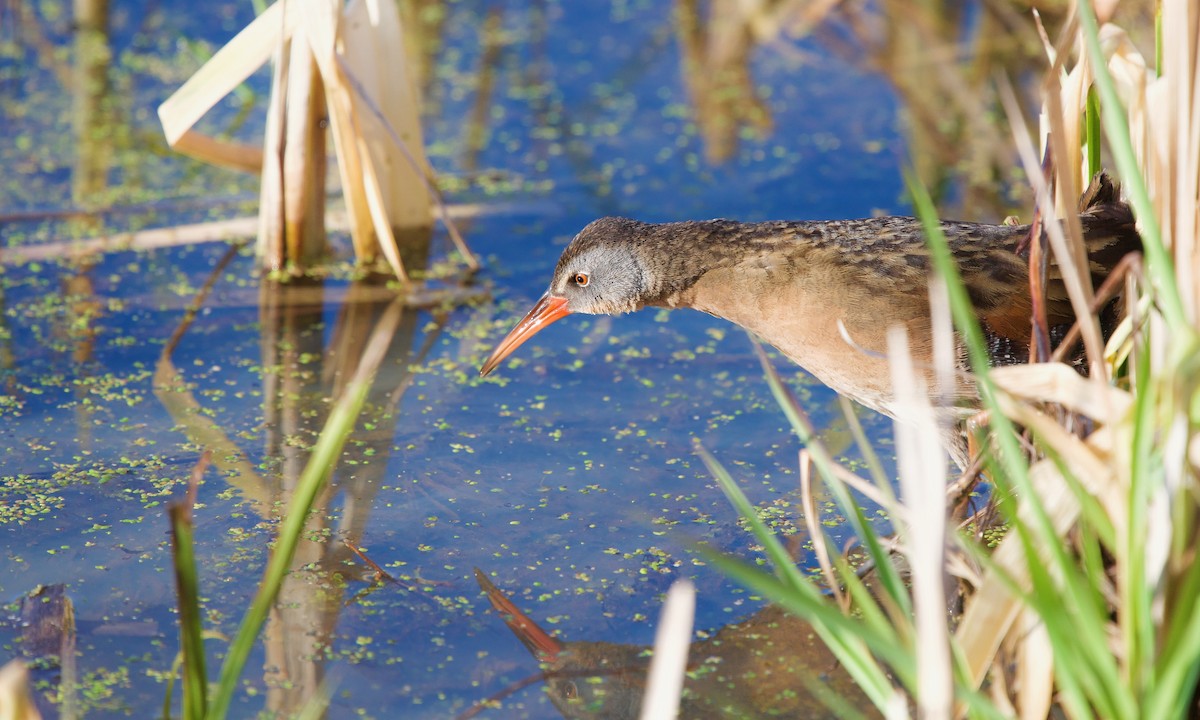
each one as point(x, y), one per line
point(792, 283)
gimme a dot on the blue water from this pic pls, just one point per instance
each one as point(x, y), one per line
point(569, 475)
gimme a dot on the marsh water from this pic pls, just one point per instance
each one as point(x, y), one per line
point(569, 476)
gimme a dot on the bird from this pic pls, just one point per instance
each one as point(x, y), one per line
point(824, 293)
point(768, 664)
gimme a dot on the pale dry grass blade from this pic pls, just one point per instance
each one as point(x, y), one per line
point(1163, 117)
point(993, 609)
point(1074, 272)
point(222, 153)
point(226, 69)
point(796, 17)
point(421, 166)
point(377, 207)
point(816, 532)
point(15, 700)
point(999, 693)
point(1035, 668)
point(943, 342)
point(303, 155)
point(270, 190)
point(664, 683)
point(371, 44)
point(1091, 461)
point(990, 615)
point(1121, 342)
point(1180, 106)
point(336, 219)
point(1058, 383)
point(362, 82)
point(881, 497)
point(1064, 99)
point(322, 22)
point(922, 465)
point(371, 220)
point(1047, 46)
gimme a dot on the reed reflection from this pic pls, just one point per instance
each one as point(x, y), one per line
point(302, 371)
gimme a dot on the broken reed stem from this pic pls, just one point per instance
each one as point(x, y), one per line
point(421, 171)
point(336, 219)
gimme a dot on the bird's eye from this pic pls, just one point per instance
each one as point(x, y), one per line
point(581, 279)
point(569, 690)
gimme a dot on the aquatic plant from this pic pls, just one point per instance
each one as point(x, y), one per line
point(199, 701)
point(345, 67)
point(1086, 603)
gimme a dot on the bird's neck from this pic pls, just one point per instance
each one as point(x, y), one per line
point(694, 262)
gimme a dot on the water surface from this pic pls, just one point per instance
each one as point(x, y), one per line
point(569, 475)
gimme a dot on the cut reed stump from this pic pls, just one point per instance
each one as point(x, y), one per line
point(341, 68)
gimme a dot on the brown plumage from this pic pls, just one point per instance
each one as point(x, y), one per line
point(792, 283)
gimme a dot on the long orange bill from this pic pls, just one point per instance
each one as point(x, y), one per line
point(547, 310)
point(544, 647)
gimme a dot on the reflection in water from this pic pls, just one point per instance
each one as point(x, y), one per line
point(89, 96)
point(540, 102)
point(302, 621)
point(769, 664)
point(92, 126)
point(301, 373)
point(481, 108)
point(302, 624)
point(716, 68)
point(940, 57)
point(47, 621)
point(424, 32)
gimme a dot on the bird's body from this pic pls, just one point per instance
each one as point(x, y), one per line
point(824, 293)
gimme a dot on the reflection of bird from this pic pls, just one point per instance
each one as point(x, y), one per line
point(764, 666)
point(823, 293)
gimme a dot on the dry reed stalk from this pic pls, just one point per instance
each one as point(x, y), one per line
point(922, 465)
point(817, 533)
point(1163, 116)
point(668, 665)
point(15, 700)
point(349, 63)
point(336, 219)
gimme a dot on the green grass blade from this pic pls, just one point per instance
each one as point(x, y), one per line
point(1092, 132)
point(851, 642)
point(1011, 471)
point(1081, 638)
point(889, 578)
point(1010, 458)
point(870, 457)
point(1071, 693)
point(796, 592)
point(1179, 663)
point(778, 554)
point(169, 692)
point(195, 679)
point(1137, 619)
point(1076, 617)
point(187, 591)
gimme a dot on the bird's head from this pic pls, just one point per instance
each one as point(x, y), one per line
point(602, 272)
